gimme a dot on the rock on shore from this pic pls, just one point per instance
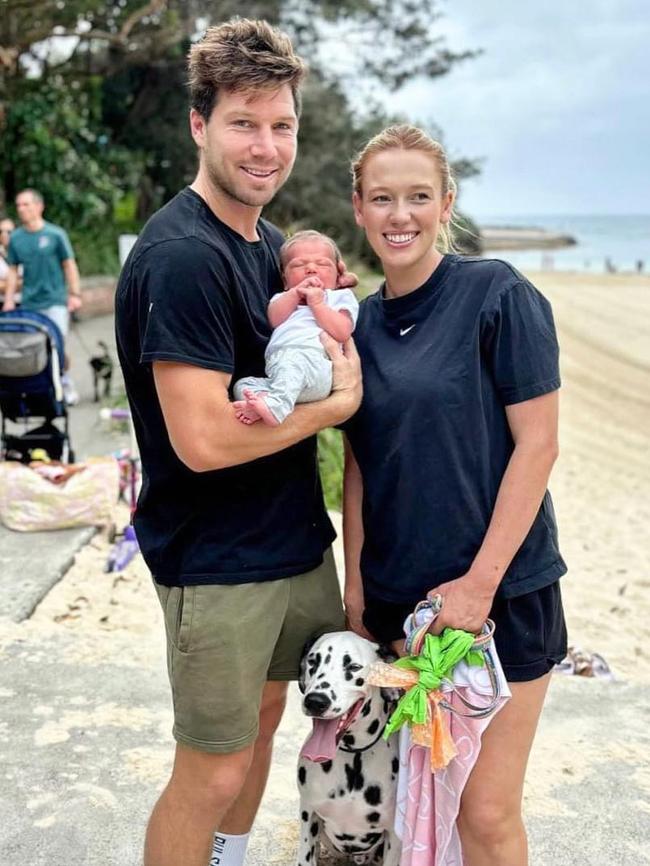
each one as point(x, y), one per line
point(523, 238)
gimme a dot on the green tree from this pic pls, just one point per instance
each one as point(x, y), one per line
point(55, 142)
point(137, 50)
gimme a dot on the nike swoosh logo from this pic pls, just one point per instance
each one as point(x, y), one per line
point(403, 331)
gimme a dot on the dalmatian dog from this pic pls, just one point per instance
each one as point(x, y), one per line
point(347, 771)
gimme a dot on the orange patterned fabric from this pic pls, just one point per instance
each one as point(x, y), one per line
point(434, 734)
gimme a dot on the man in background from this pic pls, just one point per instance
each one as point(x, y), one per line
point(50, 275)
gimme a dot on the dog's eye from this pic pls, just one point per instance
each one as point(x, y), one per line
point(354, 667)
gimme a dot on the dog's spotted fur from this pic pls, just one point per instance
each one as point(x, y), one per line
point(348, 804)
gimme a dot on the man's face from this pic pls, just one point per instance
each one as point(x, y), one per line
point(29, 208)
point(249, 144)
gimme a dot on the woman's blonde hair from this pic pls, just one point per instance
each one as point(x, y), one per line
point(403, 136)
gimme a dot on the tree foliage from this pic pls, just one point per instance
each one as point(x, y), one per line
point(93, 104)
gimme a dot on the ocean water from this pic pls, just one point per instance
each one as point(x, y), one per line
point(623, 240)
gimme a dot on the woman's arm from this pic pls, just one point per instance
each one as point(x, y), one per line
point(534, 425)
point(353, 542)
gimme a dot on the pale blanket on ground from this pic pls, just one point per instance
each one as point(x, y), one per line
point(428, 803)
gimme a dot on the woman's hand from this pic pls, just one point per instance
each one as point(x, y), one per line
point(354, 607)
point(466, 603)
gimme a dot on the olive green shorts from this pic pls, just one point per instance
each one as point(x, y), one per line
point(225, 642)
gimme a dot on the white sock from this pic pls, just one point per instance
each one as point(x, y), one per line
point(229, 850)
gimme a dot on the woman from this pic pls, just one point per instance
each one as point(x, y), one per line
point(448, 459)
point(6, 228)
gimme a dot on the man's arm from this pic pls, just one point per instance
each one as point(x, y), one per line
point(201, 422)
point(9, 302)
point(71, 273)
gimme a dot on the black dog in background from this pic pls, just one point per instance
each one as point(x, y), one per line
point(102, 367)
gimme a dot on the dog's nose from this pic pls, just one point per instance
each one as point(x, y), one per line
point(316, 703)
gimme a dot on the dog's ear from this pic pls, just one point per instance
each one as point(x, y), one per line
point(303, 663)
point(391, 696)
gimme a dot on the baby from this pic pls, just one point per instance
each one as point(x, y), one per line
point(298, 370)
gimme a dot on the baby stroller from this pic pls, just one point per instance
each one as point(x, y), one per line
point(31, 360)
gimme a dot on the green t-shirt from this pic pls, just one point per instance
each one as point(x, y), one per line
point(41, 253)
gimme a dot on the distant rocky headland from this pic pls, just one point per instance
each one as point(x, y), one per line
point(523, 238)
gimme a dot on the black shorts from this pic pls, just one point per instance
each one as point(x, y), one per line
point(530, 634)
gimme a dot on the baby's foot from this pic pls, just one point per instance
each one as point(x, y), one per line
point(257, 409)
point(245, 413)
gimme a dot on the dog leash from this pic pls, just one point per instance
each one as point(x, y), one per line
point(418, 625)
point(352, 750)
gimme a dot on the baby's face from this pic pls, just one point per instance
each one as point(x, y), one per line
point(310, 258)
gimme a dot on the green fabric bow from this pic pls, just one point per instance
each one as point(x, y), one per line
point(439, 655)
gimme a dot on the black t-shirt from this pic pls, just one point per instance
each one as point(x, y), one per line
point(195, 291)
point(431, 436)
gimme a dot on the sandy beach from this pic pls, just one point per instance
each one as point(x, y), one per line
point(601, 488)
point(601, 483)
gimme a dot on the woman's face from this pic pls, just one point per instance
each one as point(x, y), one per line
point(401, 208)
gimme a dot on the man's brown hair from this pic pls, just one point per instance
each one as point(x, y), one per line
point(242, 54)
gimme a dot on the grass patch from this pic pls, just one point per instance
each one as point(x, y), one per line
point(330, 461)
point(369, 280)
point(330, 441)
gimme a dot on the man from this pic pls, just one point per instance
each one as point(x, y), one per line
point(44, 251)
point(231, 519)
point(49, 270)
point(6, 228)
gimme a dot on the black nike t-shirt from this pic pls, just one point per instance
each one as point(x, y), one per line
point(195, 291)
point(431, 436)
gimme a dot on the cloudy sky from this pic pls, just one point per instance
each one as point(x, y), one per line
point(558, 105)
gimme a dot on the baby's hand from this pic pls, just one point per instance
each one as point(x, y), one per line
point(311, 290)
point(314, 296)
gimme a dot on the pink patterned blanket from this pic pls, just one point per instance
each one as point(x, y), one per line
point(428, 803)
